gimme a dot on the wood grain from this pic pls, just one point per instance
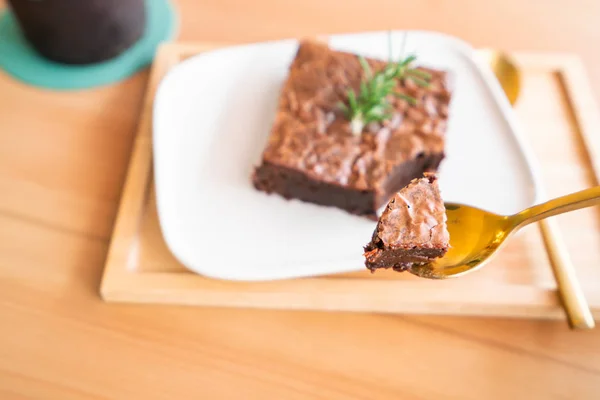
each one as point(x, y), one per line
point(63, 158)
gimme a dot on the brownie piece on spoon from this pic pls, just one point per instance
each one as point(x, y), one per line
point(412, 228)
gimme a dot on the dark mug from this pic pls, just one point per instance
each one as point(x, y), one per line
point(80, 31)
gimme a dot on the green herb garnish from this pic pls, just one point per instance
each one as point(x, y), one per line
point(371, 104)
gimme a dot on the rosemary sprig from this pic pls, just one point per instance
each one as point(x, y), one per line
point(372, 104)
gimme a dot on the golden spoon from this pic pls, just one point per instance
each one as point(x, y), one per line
point(572, 296)
point(476, 234)
point(569, 289)
point(505, 71)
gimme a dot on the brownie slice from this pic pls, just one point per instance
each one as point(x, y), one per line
point(412, 229)
point(312, 155)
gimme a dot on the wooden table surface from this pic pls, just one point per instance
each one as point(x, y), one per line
point(62, 162)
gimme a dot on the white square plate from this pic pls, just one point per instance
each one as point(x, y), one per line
point(212, 116)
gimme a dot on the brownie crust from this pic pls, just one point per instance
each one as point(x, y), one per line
point(399, 259)
point(312, 154)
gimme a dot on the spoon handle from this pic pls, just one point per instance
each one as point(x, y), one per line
point(570, 291)
point(571, 202)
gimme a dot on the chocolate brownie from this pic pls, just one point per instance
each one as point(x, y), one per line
point(312, 155)
point(412, 228)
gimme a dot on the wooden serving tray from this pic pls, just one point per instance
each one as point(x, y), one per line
point(561, 118)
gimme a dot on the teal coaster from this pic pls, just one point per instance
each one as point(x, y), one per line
point(20, 60)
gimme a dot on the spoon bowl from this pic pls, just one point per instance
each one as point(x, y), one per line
point(475, 235)
point(506, 72)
